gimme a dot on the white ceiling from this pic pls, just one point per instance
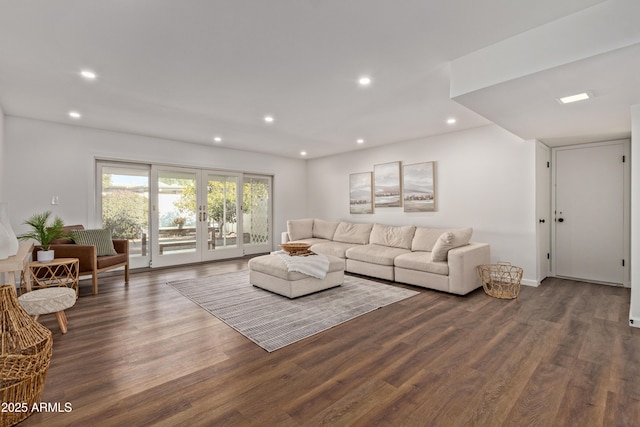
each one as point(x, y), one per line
point(188, 70)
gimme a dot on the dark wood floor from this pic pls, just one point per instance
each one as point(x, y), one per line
point(561, 354)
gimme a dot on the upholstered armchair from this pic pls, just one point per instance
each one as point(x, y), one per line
point(91, 260)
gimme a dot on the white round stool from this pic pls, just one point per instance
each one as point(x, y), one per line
point(49, 300)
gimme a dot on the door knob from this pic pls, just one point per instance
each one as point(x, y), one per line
point(560, 219)
point(541, 221)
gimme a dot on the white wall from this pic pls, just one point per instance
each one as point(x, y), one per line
point(1, 153)
point(45, 159)
point(634, 314)
point(485, 178)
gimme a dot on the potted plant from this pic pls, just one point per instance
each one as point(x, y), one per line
point(44, 233)
point(179, 221)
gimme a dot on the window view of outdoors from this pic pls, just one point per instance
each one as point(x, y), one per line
point(125, 210)
point(255, 208)
point(176, 212)
point(125, 206)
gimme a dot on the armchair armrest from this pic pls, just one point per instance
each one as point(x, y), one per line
point(86, 254)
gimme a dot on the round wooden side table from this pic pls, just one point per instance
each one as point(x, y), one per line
point(61, 272)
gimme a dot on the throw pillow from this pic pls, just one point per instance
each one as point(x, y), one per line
point(300, 229)
point(100, 238)
point(450, 240)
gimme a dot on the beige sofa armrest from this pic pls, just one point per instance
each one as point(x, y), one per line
point(463, 275)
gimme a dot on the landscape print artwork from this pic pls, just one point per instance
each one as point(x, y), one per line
point(387, 185)
point(360, 193)
point(418, 187)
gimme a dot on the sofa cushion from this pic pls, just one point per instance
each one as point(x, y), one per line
point(425, 239)
point(348, 232)
point(300, 228)
point(337, 249)
point(100, 238)
point(108, 261)
point(311, 241)
point(421, 261)
point(324, 229)
point(375, 254)
point(396, 237)
point(449, 240)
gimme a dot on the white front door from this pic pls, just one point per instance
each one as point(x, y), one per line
point(589, 212)
point(543, 209)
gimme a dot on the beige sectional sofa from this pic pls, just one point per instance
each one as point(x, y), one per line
point(439, 259)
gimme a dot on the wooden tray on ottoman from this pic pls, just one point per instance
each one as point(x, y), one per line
point(296, 249)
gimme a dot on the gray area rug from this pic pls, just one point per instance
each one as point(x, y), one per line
point(273, 321)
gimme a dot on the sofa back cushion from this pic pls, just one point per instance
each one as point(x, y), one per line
point(324, 229)
point(450, 240)
point(425, 239)
point(300, 228)
point(395, 237)
point(348, 232)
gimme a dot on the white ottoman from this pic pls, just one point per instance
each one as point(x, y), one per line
point(49, 300)
point(270, 272)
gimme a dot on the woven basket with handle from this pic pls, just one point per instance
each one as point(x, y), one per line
point(25, 354)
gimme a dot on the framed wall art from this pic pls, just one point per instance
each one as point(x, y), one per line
point(387, 187)
point(361, 193)
point(418, 187)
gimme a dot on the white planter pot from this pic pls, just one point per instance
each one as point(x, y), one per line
point(45, 256)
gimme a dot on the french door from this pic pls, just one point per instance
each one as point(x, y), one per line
point(175, 215)
point(201, 215)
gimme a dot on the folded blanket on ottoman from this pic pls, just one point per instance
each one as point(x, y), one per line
point(313, 265)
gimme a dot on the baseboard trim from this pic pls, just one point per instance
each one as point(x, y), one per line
point(529, 282)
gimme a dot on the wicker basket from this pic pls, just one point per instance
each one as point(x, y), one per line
point(25, 353)
point(501, 280)
point(295, 249)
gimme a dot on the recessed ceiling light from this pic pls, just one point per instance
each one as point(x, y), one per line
point(217, 139)
point(303, 153)
point(360, 141)
point(88, 74)
point(364, 81)
point(268, 119)
point(451, 121)
point(74, 114)
point(574, 98)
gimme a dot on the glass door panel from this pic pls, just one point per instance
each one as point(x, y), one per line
point(124, 206)
point(256, 214)
point(175, 217)
point(221, 227)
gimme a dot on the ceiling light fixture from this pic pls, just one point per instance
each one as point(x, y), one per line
point(268, 119)
point(303, 153)
point(364, 81)
point(360, 141)
point(574, 98)
point(74, 114)
point(451, 121)
point(217, 139)
point(88, 74)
